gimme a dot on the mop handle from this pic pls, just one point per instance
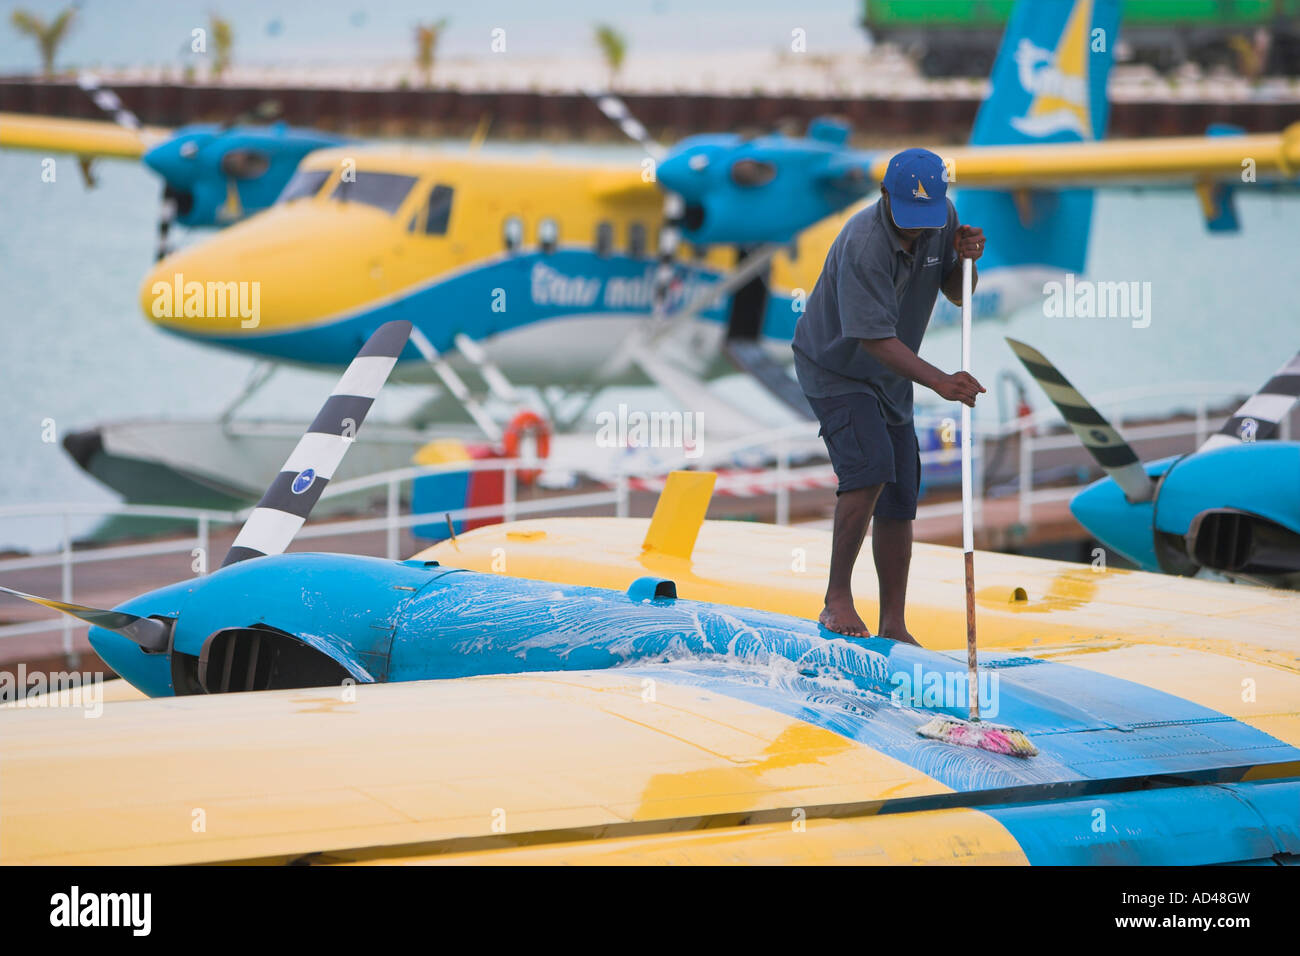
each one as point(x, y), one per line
point(967, 529)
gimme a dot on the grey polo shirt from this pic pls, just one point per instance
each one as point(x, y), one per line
point(870, 288)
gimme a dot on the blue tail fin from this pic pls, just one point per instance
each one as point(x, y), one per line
point(1048, 86)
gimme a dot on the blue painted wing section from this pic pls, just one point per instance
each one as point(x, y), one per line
point(1180, 826)
point(1088, 726)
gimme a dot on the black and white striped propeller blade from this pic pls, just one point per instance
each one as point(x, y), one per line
point(1261, 415)
point(112, 106)
point(150, 633)
point(618, 113)
point(295, 491)
point(1105, 445)
point(108, 101)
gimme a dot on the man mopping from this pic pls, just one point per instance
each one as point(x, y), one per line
point(855, 357)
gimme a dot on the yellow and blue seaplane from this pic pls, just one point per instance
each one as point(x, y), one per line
point(607, 691)
point(695, 263)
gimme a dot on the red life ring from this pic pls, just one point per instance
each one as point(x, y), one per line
point(531, 425)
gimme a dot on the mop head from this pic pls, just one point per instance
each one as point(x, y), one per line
point(975, 733)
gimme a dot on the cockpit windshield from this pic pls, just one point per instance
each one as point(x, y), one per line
point(382, 190)
point(305, 182)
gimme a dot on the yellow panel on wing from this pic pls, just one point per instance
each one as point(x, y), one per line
point(88, 697)
point(83, 137)
point(314, 771)
point(956, 837)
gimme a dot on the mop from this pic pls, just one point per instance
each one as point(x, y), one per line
point(954, 730)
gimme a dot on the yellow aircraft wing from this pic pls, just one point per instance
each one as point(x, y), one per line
point(273, 777)
point(1198, 640)
point(1180, 160)
point(90, 138)
point(660, 763)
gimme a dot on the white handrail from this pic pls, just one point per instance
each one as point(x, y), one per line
point(778, 443)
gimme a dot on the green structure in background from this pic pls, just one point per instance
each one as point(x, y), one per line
point(960, 37)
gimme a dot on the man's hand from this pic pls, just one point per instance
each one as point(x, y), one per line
point(959, 387)
point(969, 242)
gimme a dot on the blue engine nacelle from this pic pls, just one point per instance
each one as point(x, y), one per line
point(203, 164)
point(748, 191)
point(314, 620)
point(1235, 509)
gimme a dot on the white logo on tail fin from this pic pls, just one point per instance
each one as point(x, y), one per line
point(1057, 81)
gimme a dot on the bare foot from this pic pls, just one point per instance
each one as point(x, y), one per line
point(901, 636)
point(842, 618)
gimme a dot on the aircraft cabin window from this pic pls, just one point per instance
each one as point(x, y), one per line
point(439, 211)
point(245, 163)
point(604, 238)
point(636, 244)
point(548, 235)
point(382, 190)
point(513, 233)
point(305, 182)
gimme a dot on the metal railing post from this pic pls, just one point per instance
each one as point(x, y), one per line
point(621, 489)
point(1025, 510)
point(203, 542)
point(392, 528)
point(66, 590)
point(783, 484)
point(508, 493)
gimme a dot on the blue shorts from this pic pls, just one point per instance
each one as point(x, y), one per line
point(865, 450)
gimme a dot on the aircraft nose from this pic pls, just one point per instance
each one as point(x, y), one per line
point(202, 291)
point(268, 274)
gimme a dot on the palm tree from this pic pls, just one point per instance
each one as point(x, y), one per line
point(223, 41)
point(613, 47)
point(48, 36)
point(426, 46)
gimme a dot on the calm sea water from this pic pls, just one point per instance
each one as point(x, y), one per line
point(75, 350)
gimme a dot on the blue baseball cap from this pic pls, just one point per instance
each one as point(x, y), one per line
point(918, 190)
